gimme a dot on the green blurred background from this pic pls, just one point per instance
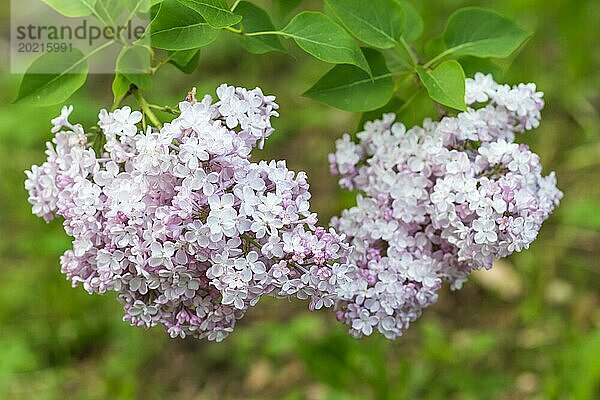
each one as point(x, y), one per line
point(529, 329)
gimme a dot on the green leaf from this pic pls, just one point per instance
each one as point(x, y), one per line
point(350, 88)
point(255, 19)
point(178, 28)
point(445, 84)
point(185, 60)
point(413, 23)
point(42, 88)
point(215, 12)
point(319, 36)
point(134, 63)
point(120, 87)
point(378, 23)
point(73, 8)
point(482, 33)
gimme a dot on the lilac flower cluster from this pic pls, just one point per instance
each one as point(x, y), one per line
point(179, 222)
point(438, 201)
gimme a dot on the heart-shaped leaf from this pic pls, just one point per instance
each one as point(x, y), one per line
point(178, 28)
point(322, 38)
point(120, 87)
point(53, 78)
point(482, 33)
point(350, 88)
point(445, 84)
point(134, 63)
point(378, 23)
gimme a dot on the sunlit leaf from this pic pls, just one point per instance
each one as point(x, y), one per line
point(178, 28)
point(42, 88)
point(319, 36)
point(482, 33)
point(378, 23)
point(445, 84)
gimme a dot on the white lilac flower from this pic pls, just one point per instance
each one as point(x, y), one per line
point(62, 121)
point(179, 222)
point(190, 233)
point(124, 121)
point(436, 202)
point(192, 153)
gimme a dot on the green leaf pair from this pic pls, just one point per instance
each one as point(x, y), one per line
point(380, 24)
point(362, 80)
point(389, 25)
point(473, 32)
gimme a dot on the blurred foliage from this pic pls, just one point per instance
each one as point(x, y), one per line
point(544, 343)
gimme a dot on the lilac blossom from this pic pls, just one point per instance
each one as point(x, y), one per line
point(179, 222)
point(190, 233)
point(436, 202)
